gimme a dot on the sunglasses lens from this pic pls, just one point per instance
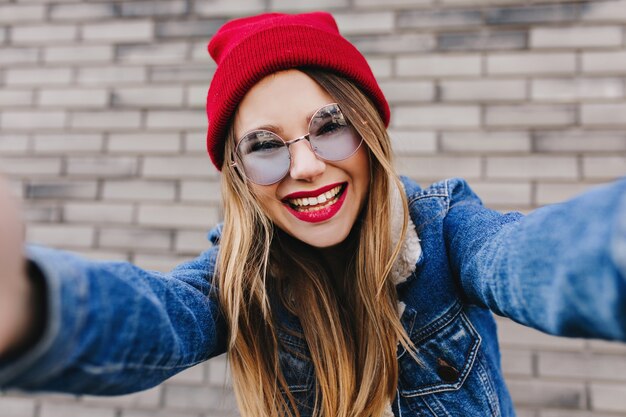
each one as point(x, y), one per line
point(264, 157)
point(331, 136)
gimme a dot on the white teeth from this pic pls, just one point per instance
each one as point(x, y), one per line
point(329, 195)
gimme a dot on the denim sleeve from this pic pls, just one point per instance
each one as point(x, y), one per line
point(113, 328)
point(560, 269)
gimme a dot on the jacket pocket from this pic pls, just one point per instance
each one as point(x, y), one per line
point(446, 350)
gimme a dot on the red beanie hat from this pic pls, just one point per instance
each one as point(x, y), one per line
point(248, 49)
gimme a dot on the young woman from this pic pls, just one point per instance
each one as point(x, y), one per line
point(336, 287)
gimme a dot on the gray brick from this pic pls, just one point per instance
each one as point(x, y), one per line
point(152, 96)
point(156, 413)
point(572, 413)
point(42, 213)
point(111, 75)
point(531, 63)
point(517, 362)
point(411, 142)
point(148, 398)
point(109, 120)
point(175, 119)
point(436, 116)
point(381, 66)
point(181, 73)
point(78, 53)
point(530, 115)
point(132, 238)
point(548, 13)
point(582, 366)
point(82, 11)
point(16, 98)
point(195, 142)
point(580, 141)
point(153, 8)
point(46, 34)
point(189, 397)
point(548, 393)
point(125, 31)
point(219, 372)
point(67, 143)
point(603, 114)
point(602, 62)
point(576, 37)
point(193, 375)
point(177, 216)
point(162, 52)
point(364, 23)
point(13, 144)
point(418, 19)
point(397, 43)
point(139, 190)
point(229, 7)
point(555, 192)
point(55, 189)
point(200, 191)
point(36, 76)
point(32, 119)
point(408, 91)
point(604, 11)
point(391, 3)
point(532, 167)
point(31, 166)
point(485, 142)
point(304, 6)
point(606, 346)
point(191, 241)
point(437, 167)
point(608, 397)
point(10, 56)
point(144, 143)
point(195, 96)
point(186, 29)
point(22, 13)
point(98, 213)
point(483, 90)
point(481, 41)
point(77, 98)
point(102, 166)
point(438, 65)
point(159, 262)
point(604, 167)
point(17, 407)
point(504, 193)
point(577, 89)
point(65, 236)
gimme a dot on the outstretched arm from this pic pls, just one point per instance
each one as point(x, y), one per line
point(110, 327)
point(560, 269)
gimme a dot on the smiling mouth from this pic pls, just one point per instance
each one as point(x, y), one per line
point(322, 201)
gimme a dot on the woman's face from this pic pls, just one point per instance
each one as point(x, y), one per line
point(284, 102)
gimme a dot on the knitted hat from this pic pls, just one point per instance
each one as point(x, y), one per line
point(248, 49)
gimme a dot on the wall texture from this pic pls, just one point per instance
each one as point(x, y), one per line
point(102, 133)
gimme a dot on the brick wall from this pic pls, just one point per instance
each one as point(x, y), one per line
point(102, 133)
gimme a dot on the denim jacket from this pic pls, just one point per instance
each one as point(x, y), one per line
point(114, 328)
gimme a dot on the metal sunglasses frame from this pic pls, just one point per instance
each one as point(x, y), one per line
point(288, 143)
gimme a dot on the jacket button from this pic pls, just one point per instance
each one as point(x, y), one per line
point(447, 372)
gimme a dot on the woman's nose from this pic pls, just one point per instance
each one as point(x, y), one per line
point(305, 165)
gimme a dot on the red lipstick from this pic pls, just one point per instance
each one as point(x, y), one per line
point(326, 212)
point(314, 193)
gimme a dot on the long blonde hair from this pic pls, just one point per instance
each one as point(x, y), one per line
point(350, 323)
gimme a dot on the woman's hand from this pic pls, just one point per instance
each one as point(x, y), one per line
point(16, 298)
